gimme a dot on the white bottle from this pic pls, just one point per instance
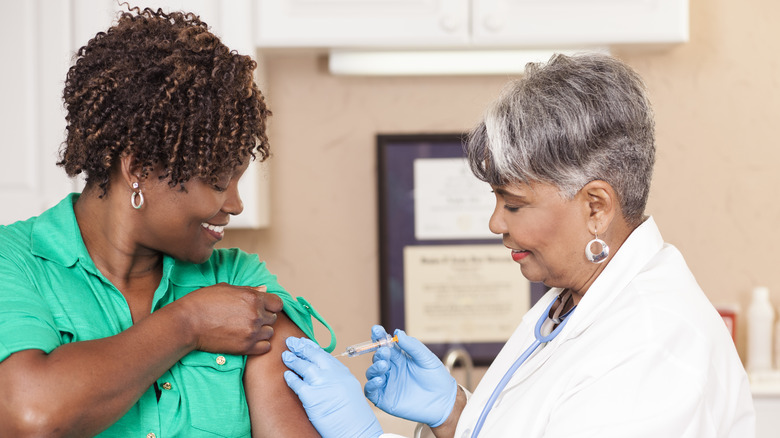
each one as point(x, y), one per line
point(761, 318)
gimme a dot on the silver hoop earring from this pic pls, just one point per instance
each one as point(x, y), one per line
point(601, 256)
point(137, 198)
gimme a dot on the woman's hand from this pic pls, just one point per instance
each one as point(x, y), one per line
point(47, 394)
point(330, 394)
point(410, 382)
point(231, 319)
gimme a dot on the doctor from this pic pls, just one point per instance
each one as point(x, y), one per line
point(625, 343)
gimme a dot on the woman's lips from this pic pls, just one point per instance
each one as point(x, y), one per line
point(518, 255)
point(217, 231)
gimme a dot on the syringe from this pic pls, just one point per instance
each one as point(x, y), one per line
point(368, 346)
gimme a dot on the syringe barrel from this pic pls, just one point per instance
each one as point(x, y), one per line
point(369, 346)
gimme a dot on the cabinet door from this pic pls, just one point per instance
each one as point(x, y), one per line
point(578, 23)
point(767, 405)
point(362, 23)
point(44, 35)
point(32, 117)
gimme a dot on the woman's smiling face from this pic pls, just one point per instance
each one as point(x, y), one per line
point(187, 224)
point(546, 232)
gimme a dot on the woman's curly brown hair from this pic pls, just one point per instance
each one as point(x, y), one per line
point(165, 90)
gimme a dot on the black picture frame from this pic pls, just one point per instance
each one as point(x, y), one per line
point(395, 159)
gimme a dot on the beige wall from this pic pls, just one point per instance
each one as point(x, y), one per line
point(714, 195)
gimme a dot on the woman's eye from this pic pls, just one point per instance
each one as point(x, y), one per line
point(219, 188)
point(511, 208)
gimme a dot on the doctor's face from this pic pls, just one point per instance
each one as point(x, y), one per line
point(546, 233)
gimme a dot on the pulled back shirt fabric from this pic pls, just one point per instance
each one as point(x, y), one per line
point(52, 294)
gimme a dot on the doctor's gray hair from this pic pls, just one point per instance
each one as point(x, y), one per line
point(568, 122)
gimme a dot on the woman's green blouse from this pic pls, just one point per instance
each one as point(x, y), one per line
point(53, 294)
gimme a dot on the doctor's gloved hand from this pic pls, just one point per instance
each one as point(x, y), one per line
point(330, 394)
point(410, 382)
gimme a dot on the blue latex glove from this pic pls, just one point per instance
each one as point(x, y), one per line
point(410, 382)
point(329, 392)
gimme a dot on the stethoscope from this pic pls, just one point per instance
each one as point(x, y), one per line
point(539, 340)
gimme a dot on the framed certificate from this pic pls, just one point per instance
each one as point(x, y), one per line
point(445, 278)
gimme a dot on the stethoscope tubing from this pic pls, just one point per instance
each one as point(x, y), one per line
point(538, 340)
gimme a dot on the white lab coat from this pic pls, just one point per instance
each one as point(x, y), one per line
point(645, 354)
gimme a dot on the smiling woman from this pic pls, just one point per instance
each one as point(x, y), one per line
point(182, 339)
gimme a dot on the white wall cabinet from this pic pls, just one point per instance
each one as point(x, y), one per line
point(469, 24)
point(44, 35)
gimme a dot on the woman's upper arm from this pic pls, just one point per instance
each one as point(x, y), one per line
point(274, 409)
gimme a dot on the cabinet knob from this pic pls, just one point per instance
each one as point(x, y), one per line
point(493, 23)
point(449, 23)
